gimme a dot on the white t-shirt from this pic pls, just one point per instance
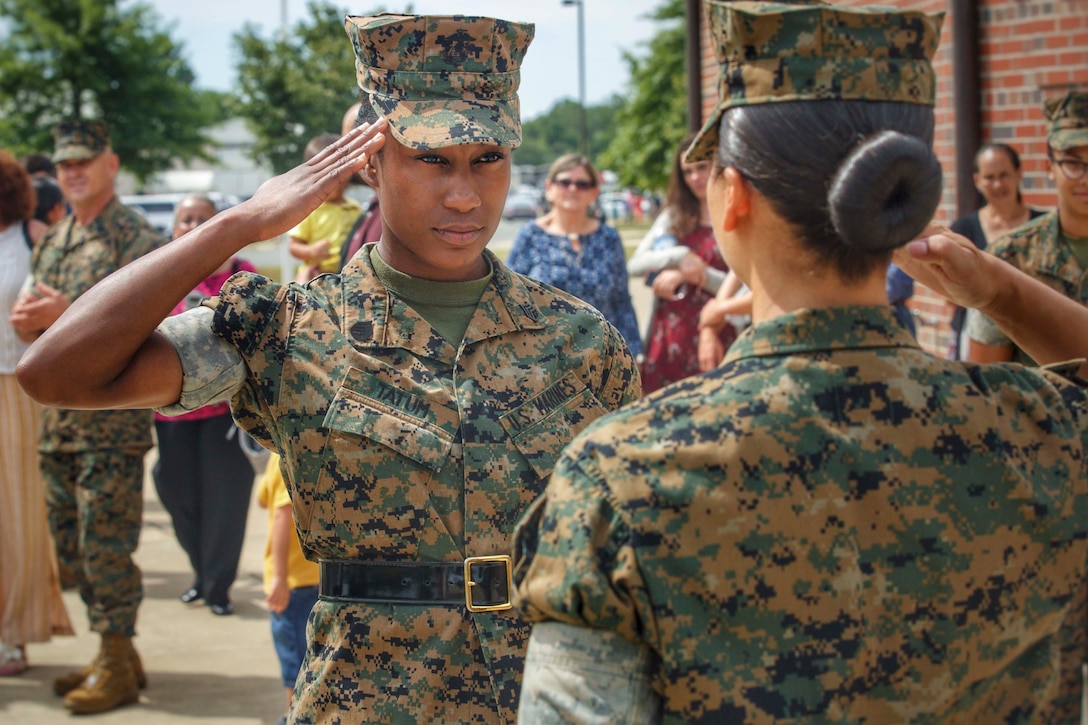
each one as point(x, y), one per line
point(14, 266)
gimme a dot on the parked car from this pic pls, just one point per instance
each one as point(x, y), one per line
point(614, 207)
point(521, 206)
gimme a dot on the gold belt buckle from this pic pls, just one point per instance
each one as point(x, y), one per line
point(472, 560)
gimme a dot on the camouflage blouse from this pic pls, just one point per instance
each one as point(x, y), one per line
point(71, 258)
point(403, 447)
point(833, 526)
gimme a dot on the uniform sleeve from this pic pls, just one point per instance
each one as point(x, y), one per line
point(620, 382)
point(982, 329)
point(212, 370)
point(578, 675)
point(574, 558)
point(250, 315)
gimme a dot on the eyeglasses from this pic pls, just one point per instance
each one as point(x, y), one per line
point(579, 184)
point(1072, 169)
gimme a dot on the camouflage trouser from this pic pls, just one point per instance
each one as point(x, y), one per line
point(95, 512)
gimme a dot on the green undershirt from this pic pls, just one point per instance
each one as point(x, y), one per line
point(1079, 245)
point(447, 306)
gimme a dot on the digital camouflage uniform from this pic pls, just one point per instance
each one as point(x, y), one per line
point(93, 460)
point(384, 425)
point(1037, 249)
point(833, 526)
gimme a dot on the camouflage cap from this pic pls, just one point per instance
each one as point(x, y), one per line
point(1068, 117)
point(442, 80)
point(811, 51)
point(79, 139)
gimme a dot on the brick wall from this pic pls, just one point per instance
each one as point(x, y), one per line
point(1029, 50)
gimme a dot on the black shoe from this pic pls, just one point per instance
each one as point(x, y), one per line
point(222, 610)
point(190, 595)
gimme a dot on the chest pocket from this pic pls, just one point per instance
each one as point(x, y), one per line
point(542, 426)
point(386, 414)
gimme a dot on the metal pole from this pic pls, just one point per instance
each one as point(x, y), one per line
point(583, 138)
point(582, 74)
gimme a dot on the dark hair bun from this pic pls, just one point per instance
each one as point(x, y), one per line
point(885, 192)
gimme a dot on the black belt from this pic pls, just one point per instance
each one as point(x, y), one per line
point(488, 579)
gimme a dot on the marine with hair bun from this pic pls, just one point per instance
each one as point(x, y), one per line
point(833, 525)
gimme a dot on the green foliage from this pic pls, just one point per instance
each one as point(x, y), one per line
point(652, 123)
point(290, 90)
point(94, 59)
point(555, 133)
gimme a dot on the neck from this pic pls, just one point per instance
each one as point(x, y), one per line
point(1073, 225)
point(1009, 211)
point(565, 221)
point(779, 295)
point(86, 212)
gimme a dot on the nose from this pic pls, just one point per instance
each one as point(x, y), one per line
point(461, 196)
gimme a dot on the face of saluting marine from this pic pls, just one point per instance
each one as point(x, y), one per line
point(440, 207)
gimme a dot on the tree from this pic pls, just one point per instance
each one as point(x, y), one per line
point(649, 127)
point(555, 133)
point(93, 59)
point(292, 89)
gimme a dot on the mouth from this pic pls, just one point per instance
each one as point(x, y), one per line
point(459, 235)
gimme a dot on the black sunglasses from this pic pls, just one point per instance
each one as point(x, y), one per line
point(580, 184)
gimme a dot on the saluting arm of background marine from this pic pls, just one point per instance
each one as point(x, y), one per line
point(1043, 322)
point(103, 352)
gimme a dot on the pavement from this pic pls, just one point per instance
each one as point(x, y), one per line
point(200, 667)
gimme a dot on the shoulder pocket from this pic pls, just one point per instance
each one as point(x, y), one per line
point(542, 426)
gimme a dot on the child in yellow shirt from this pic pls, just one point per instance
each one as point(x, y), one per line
point(318, 238)
point(290, 581)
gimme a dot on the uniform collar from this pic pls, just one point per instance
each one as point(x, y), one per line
point(825, 329)
point(375, 318)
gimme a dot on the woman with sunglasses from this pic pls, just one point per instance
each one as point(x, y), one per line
point(570, 249)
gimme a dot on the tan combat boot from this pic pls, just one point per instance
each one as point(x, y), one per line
point(112, 682)
point(66, 683)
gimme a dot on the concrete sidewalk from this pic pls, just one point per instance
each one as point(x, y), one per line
point(200, 667)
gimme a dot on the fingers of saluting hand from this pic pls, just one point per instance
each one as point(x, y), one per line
point(947, 263)
point(351, 151)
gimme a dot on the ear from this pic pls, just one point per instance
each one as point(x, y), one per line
point(738, 199)
point(369, 174)
point(975, 181)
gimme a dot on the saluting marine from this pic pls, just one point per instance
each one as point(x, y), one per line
point(419, 400)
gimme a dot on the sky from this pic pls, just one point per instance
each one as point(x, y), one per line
point(549, 73)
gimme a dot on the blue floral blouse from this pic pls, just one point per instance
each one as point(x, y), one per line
point(597, 275)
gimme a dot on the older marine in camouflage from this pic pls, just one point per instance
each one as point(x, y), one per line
point(741, 528)
point(98, 450)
